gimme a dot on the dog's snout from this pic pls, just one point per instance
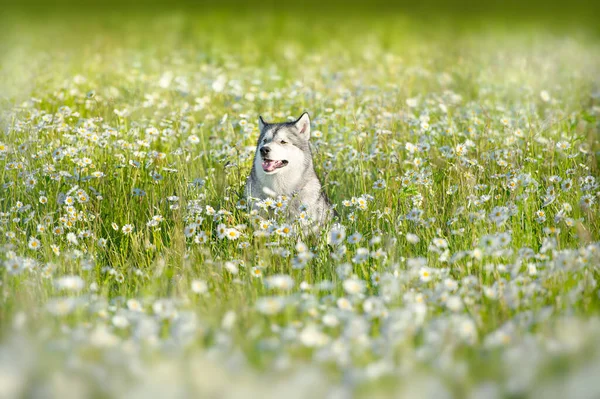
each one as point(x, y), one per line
point(264, 151)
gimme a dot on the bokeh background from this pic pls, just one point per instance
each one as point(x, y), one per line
point(261, 31)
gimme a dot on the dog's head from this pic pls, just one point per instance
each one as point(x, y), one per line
point(283, 146)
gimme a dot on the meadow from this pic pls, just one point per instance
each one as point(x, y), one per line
point(462, 161)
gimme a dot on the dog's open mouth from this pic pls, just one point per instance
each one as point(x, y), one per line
point(270, 165)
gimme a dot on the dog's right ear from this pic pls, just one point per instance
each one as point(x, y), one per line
point(261, 123)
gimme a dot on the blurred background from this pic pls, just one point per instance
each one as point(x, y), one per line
point(260, 32)
point(553, 13)
point(274, 16)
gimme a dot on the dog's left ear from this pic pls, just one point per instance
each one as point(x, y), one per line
point(261, 123)
point(303, 125)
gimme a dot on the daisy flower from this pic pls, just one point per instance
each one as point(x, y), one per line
point(199, 286)
point(284, 230)
point(355, 238)
point(336, 235)
point(256, 272)
point(221, 231)
point(379, 184)
point(34, 243)
point(232, 234)
point(425, 274)
point(127, 229)
point(354, 286)
point(189, 230)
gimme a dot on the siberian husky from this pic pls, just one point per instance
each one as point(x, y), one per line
point(283, 166)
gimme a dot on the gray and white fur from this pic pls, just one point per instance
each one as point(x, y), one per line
point(283, 165)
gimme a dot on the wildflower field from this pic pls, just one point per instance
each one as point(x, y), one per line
point(462, 163)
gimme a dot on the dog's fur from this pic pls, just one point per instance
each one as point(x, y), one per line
point(283, 166)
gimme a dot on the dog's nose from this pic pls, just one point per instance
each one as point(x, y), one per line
point(264, 151)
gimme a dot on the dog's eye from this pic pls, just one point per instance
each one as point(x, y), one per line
point(283, 142)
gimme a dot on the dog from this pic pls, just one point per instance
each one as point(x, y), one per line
point(283, 166)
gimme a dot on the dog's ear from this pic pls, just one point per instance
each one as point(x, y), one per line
point(261, 123)
point(303, 125)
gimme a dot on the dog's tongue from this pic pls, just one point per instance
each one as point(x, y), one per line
point(269, 166)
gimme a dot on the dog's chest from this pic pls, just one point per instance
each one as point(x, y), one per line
point(281, 184)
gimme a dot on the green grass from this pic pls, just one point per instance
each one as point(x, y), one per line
point(491, 107)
